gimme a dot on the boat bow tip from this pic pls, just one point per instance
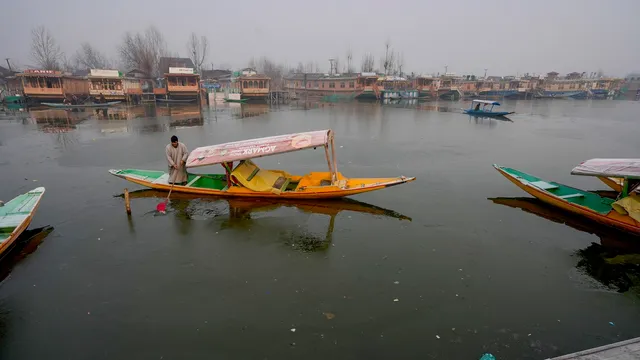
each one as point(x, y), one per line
point(37, 190)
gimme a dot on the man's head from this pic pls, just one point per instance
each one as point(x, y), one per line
point(174, 141)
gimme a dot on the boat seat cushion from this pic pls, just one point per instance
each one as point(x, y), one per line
point(247, 169)
point(260, 180)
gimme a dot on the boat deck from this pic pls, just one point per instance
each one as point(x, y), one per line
point(627, 350)
point(587, 199)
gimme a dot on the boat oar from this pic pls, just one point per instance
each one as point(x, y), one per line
point(162, 207)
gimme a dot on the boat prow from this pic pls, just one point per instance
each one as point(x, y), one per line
point(16, 215)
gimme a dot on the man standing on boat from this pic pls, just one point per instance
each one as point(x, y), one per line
point(177, 155)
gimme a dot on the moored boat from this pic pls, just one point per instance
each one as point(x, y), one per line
point(246, 179)
point(480, 109)
point(622, 213)
point(79, 106)
point(16, 215)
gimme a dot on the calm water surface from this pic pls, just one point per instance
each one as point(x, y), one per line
point(432, 269)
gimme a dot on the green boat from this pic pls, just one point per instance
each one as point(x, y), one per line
point(68, 106)
point(14, 99)
point(16, 215)
point(235, 100)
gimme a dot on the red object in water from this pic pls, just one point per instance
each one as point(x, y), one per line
point(162, 207)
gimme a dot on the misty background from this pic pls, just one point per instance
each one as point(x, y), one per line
point(506, 37)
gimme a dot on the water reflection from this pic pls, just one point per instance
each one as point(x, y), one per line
point(247, 110)
point(24, 245)
point(57, 120)
point(243, 214)
point(148, 119)
point(615, 262)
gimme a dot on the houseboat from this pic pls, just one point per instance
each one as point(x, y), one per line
point(52, 86)
point(318, 85)
point(568, 89)
point(448, 88)
point(107, 83)
point(253, 86)
point(427, 87)
point(182, 84)
point(368, 86)
point(396, 88)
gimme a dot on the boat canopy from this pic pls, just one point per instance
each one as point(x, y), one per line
point(488, 102)
point(255, 148)
point(621, 168)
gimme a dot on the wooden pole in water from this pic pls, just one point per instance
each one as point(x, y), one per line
point(127, 203)
point(335, 162)
point(326, 153)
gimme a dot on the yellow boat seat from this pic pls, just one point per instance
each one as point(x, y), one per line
point(250, 176)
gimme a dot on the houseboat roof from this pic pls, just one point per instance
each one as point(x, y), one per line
point(43, 73)
point(488, 102)
point(622, 168)
point(255, 148)
point(180, 74)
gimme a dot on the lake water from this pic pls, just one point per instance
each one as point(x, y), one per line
point(433, 269)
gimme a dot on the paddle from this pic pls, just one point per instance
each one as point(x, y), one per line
point(162, 207)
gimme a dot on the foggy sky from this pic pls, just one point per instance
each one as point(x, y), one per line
point(508, 37)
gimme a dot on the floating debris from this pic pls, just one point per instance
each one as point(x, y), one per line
point(293, 329)
point(329, 315)
point(396, 300)
point(396, 282)
point(437, 337)
point(611, 323)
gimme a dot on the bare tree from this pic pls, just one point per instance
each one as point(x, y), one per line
point(143, 51)
point(349, 59)
point(223, 66)
point(88, 57)
point(309, 67)
point(45, 51)
point(400, 63)
point(197, 48)
point(368, 63)
point(388, 62)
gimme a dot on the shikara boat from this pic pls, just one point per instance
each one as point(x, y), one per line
point(175, 101)
point(480, 108)
point(80, 106)
point(246, 179)
point(623, 213)
point(235, 100)
point(16, 215)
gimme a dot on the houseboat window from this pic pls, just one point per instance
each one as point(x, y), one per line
point(323, 84)
point(352, 84)
point(261, 84)
point(501, 86)
point(316, 84)
point(561, 87)
point(332, 85)
point(572, 86)
point(250, 84)
point(342, 84)
point(244, 84)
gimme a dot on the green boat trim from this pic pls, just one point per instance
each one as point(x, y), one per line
point(569, 194)
point(15, 212)
point(235, 100)
point(204, 181)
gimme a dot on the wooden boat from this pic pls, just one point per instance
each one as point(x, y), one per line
point(479, 108)
point(601, 209)
point(16, 215)
point(248, 180)
point(235, 100)
point(175, 101)
point(69, 106)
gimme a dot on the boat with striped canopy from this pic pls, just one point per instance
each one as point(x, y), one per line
point(247, 179)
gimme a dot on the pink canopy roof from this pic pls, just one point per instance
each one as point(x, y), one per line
point(622, 168)
point(249, 149)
